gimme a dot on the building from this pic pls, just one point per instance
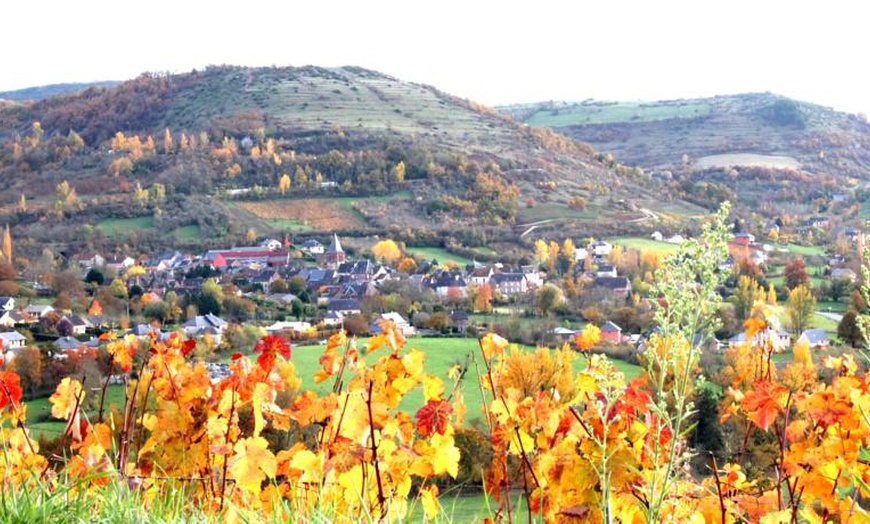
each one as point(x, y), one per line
point(816, 338)
point(12, 340)
point(404, 327)
point(510, 284)
point(313, 247)
point(612, 333)
point(7, 303)
point(206, 324)
point(335, 256)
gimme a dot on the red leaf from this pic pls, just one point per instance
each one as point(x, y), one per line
point(187, 346)
point(434, 416)
point(10, 388)
point(236, 356)
point(268, 347)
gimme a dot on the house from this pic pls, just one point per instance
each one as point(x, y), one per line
point(606, 270)
point(459, 319)
point(780, 339)
point(91, 260)
point(843, 273)
point(119, 263)
point(618, 287)
point(7, 303)
point(749, 236)
point(816, 338)
point(600, 248)
point(245, 256)
point(565, 335)
point(676, 239)
point(480, 276)
point(817, 222)
point(79, 325)
point(206, 324)
point(612, 333)
point(68, 343)
point(344, 306)
point(405, 328)
point(271, 244)
point(282, 298)
point(12, 340)
point(11, 318)
point(288, 326)
point(580, 254)
point(533, 276)
point(657, 236)
point(333, 318)
point(37, 311)
point(450, 285)
point(510, 284)
point(313, 247)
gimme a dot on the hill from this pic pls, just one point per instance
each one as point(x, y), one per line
point(204, 155)
point(769, 153)
point(47, 91)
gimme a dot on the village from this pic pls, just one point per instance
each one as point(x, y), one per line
point(226, 298)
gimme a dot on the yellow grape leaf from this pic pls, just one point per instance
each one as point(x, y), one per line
point(262, 394)
point(492, 344)
point(309, 464)
point(252, 463)
point(446, 457)
point(433, 388)
point(429, 499)
point(413, 362)
point(65, 397)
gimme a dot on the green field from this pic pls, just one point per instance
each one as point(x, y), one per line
point(469, 508)
point(830, 326)
point(807, 251)
point(833, 307)
point(189, 232)
point(441, 355)
point(41, 424)
point(119, 227)
point(647, 244)
point(608, 113)
point(286, 224)
point(551, 211)
point(440, 254)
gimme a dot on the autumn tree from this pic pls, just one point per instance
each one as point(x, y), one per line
point(745, 295)
point(284, 183)
point(542, 253)
point(483, 299)
point(397, 173)
point(28, 364)
point(849, 331)
point(552, 256)
point(801, 307)
point(301, 177)
point(387, 251)
point(7, 245)
point(796, 274)
point(548, 298)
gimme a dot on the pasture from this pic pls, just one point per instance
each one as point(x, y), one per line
point(440, 254)
point(121, 227)
point(609, 113)
point(647, 245)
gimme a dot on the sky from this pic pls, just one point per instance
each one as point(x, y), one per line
point(491, 52)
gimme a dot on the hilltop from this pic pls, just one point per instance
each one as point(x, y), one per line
point(767, 152)
point(47, 91)
point(203, 156)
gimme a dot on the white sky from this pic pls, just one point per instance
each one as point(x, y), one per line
point(488, 51)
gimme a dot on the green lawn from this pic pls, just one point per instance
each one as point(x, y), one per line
point(115, 227)
point(807, 251)
point(830, 326)
point(647, 244)
point(189, 232)
point(469, 508)
point(606, 113)
point(833, 307)
point(440, 254)
point(286, 224)
point(549, 211)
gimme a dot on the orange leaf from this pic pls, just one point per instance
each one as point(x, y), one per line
point(10, 388)
point(764, 404)
point(268, 347)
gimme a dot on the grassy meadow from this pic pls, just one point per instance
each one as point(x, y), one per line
point(121, 227)
point(440, 254)
point(609, 113)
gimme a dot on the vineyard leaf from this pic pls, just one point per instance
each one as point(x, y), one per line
point(65, 398)
point(252, 463)
point(434, 417)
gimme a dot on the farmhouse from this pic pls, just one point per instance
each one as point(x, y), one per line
point(612, 333)
point(405, 328)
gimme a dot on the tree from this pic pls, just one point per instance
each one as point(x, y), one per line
point(7, 245)
point(552, 256)
point(251, 236)
point(95, 276)
point(801, 307)
point(745, 295)
point(387, 251)
point(301, 177)
point(796, 274)
point(548, 298)
point(397, 174)
point(28, 364)
point(167, 141)
point(542, 253)
point(483, 299)
point(95, 309)
point(284, 183)
point(849, 331)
